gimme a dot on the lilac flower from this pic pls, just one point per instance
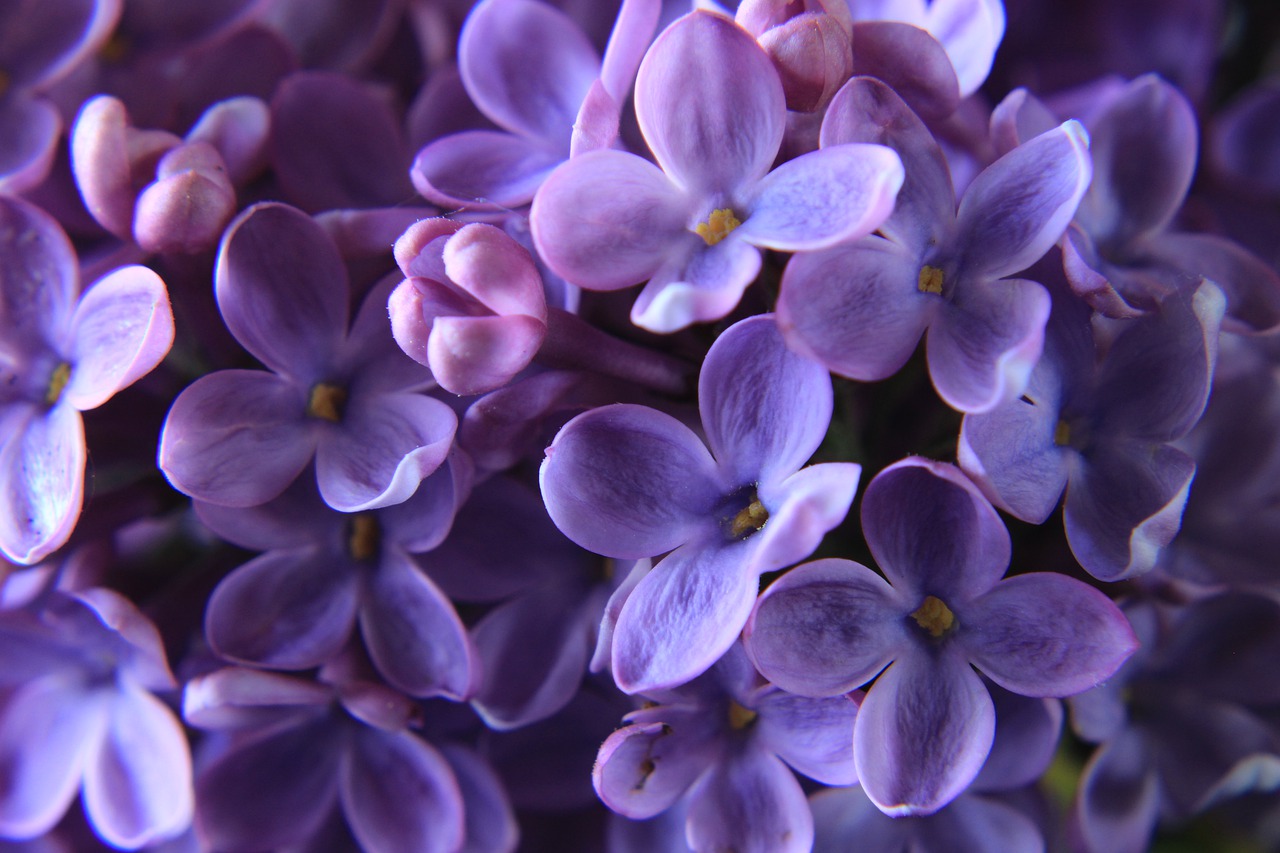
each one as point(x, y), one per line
point(1099, 426)
point(926, 725)
point(79, 713)
point(711, 108)
point(346, 397)
point(809, 43)
point(61, 353)
point(295, 606)
point(861, 308)
point(630, 482)
point(720, 742)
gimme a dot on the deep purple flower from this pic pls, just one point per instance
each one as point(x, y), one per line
point(79, 714)
point(61, 353)
point(631, 482)
point(860, 308)
point(720, 742)
point(712, 110)
point(343, 395)
point(926, 726)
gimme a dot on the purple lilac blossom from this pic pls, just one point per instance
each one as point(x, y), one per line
point(62, 352)
point(79, 713)
point(631, 482)
point(1097, 423)
point(341, 394)
point(926, 726)
point(720, 743)
point(711, 108)
point(861, 307)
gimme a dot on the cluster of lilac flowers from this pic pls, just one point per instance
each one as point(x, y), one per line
point(629, 426)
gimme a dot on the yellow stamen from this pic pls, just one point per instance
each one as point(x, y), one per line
point(748, 520)
point(717, 226)
point(930, 280)
point(57, 383)
point(1062, 434)
point(365, 539)
point(326, 401)
point(934, 616)
point(740, 717)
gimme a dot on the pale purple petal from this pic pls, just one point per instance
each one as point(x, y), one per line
point(609, 240)
point(628, 41)
point(49, 730)
point(476, 355)
point(628, 481)
point(1126, 506)
point(236, 438)
point(121, 329)
point(240, 129)
point(971, 31)
point(966, 536)
point(923, 732)
point(1045, 634)
point(42, 459)
point(802, 509)
point(750, 802)
point(137, 789)
point(386, 445)
point(413, 633)
point(495, 270)
point(39, 288)
point(483, 167)
point(710, 104)
point(643, 769)
point(984, 345)
point(826, 628)
point(814, 736)
point(911, 61)
point(1019, 117)
point(289, 609)
point(239, 698)
point(1019, 206)
point(527, 66)
point(596, 127)
point(398, 793)
point(603, 654)
point(683, 616)
point(764, 408)
point(855, 308)
point(282, 290)
point(829, 196)
point(700, 284)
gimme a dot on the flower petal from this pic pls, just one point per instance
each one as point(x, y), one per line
point(698, 284)
point(1045, 634)
point(923, 732)
point(628, 481)
point(483, 167)
point(750, 802)
point(42, 459)
point(825, 628)
point(32, 128)
point(911, 61)
point(1119, 797)
point(236, 438)
point(40, 284)
point(643, 769)
point(802, 509)
point(814, 736)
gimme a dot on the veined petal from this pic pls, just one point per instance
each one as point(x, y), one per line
point(1019, 205)
point(829, 196)
point(1045, 634)
point(814, 736)
point(483, 167)
point(710, 104)
point(855, 308)
point(683, 616)
point(42, 459)
point(630, 482)
point(38, 290)
point(236, 438)
point(137, 789)
point(825, 628)
point(607, 241)
point(922, 733)
point(933, 533)
point(751, 803)
point(698, 285)
point(764, 408)
point(282, 290)
point(643, 769)
point(121, 329)
point(385, 447)
point(802, 508)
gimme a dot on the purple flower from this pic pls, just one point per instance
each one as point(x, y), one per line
point(345, 396)
point(78, 713)
point(860, 308)
point(720, 743)
point(631, 482)
point(926, 726)
point(61, 353)
point(712, 110)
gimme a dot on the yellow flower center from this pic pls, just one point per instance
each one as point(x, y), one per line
point(57, 383)
point(740, 717)
point(1062, 434)
point(327, 401)
point(748, 520)
point(930, 280)
point(717, 226)
point(365, 537)
point(934, 616)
